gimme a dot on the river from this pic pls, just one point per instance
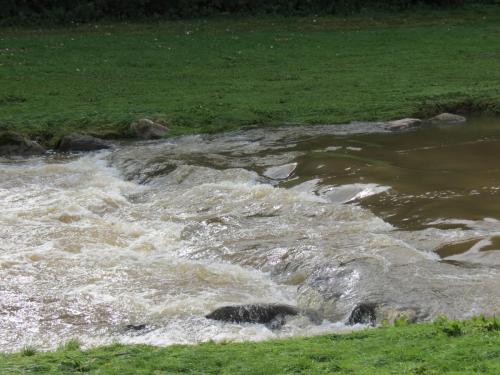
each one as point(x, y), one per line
point(325, 218)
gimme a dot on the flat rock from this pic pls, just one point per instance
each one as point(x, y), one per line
point(403, 124)
point(280, 172)
point(14, 144)
point(147, 129)
point(448, 118)
point(79, 142)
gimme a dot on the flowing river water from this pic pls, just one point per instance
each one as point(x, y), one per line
point(325, 218)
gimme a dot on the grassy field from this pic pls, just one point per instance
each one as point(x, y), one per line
point(444, 347)
point(220, 74)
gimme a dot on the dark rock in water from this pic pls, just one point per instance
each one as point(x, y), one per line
point(135, 327)
point(79, 142)
point(259, 313)
point(278, 322)
point(272, 315)
point(147, 129)
point(364, 313)
point(13, 144)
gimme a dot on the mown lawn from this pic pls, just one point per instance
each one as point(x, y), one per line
point(445, 347)
point(210, 75)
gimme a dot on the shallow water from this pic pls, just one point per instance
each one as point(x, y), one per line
point(323, 217)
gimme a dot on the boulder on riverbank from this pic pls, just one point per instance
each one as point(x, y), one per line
point(78, 142)
point(14, 144)
point(448, 118)
point(147, 129)
point(403, 124)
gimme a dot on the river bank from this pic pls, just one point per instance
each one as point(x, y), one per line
point(444, 347)
point(211, 75)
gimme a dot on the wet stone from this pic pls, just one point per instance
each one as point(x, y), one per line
point(260, 313)
point(135, 327)
point(147, 129)
point(403, 124)
point(455, 248)
point(280, 172)
point(448, 118)
point(364, 313)
point(79, 142)
point(13, 144)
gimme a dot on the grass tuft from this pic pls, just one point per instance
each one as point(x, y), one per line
point(28, 351)
point(71, 345)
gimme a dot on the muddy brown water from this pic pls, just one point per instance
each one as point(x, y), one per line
point(325, 218)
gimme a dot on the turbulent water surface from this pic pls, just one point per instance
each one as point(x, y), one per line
point(324, 218)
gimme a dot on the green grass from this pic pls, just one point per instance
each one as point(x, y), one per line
point(444, 347)
point(226, 73)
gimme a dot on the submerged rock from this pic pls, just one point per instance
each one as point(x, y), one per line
point(135, 327)
point(259, 313)
point(280, 172)
point(14, 144)
point(147, 129)
point(448, 118)
point(402, 282)
point(78, 142)
point(403, 124)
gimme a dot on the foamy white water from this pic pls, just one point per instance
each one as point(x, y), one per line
point(163, 233)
